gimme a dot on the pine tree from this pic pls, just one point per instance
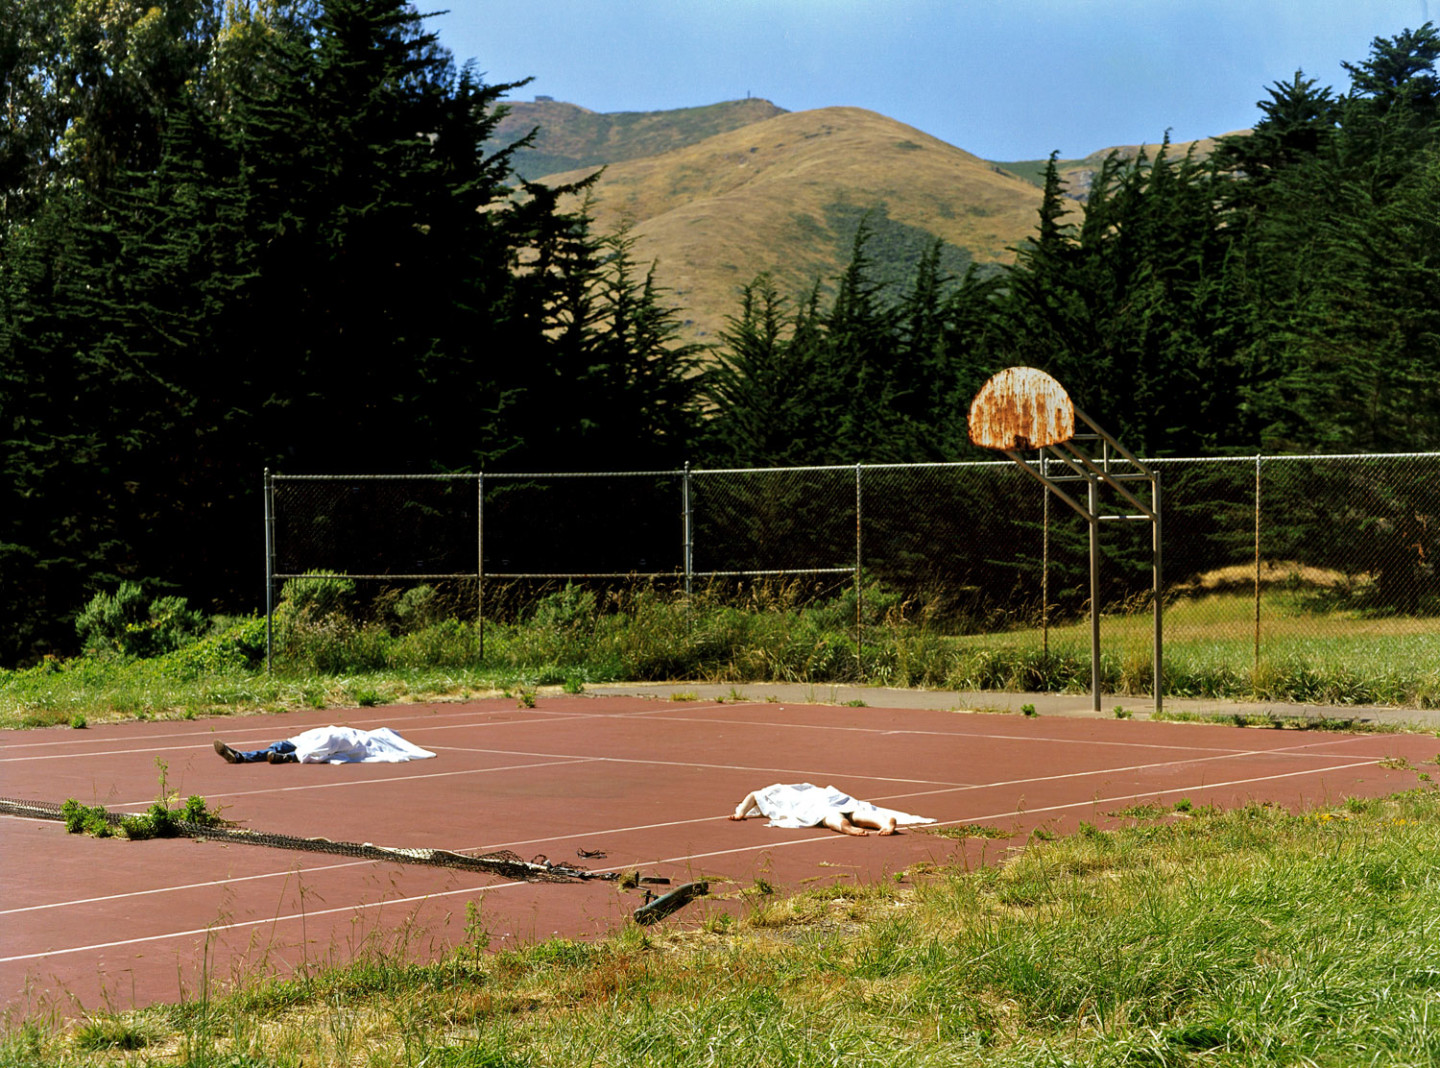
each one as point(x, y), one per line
point(760, 409)
point(315, 265)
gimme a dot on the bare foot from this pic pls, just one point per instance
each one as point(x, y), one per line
point(850, 828)
point(735, 816)
point(889, 827)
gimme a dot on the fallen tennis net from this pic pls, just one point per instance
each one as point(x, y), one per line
point(500, 862)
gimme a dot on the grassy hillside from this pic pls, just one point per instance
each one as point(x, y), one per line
point(1079, 173)
point(573, 137)
point(786, 194)
point(717, 194)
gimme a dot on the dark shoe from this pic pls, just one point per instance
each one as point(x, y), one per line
point(228, 754)
point(282, 758)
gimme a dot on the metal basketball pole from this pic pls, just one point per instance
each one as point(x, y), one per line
point(1094, 518)
point(1024, 408)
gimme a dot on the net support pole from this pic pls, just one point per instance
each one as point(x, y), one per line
point(1255, 668)
point(480, 565)
point(268, 495)
point(687, 531)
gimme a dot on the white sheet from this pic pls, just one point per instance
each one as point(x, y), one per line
point(806, 805)
point(350, 745)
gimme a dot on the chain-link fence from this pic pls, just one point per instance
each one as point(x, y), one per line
point(1260, 554)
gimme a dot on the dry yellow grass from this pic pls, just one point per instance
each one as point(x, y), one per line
point(1275, 573)
point(716, 213)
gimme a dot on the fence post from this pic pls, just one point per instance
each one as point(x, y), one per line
point(1157, 566)
point(687, 531)
point(269, 570)
point(859, 591)
point(1255, 669)
point(480, 563)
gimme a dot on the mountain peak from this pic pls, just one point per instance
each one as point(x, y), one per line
point(569, 136)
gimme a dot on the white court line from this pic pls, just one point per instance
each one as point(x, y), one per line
point(698, 764)
point(1195, 788)
point(967, 736)
point(188, 886)
point(945, 789)
point(987, 736)
point(684, 858)
point(394, 780)
point(565, 759)
point(210, 735)
point(427, 724)
point(572, 836)
point(210, 731)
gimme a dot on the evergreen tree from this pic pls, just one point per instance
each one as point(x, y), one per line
point(1339, 252)
point(1133, 308)
point(316, 266)
point(610, 385)
point(1297, 122)
point(856, 385)
point(760, 412)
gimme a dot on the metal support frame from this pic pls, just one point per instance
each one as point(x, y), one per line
point(1045, 565)
point(1113, 467)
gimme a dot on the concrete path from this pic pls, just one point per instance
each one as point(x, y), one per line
point(1046, 704)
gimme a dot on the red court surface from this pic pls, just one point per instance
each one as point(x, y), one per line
point(108, 924)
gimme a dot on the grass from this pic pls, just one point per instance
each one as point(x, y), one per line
point(1334, 658)
point(966, 830)
point(1242, 938)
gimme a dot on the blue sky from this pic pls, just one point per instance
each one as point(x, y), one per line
point(1005, 79)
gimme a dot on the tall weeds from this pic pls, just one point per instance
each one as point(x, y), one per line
point(327, 649)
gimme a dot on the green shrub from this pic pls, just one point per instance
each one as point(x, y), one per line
point(418, 607)
point(239, 647)
point(85, 819)
point(569, 608)
point(129, 623)
point(158, 821)
point(328, 593)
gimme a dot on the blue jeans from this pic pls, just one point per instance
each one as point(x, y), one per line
point(253, 756)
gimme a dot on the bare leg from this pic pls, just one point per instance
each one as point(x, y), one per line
point(838, 821)
point(743, 807)
point(885, 826)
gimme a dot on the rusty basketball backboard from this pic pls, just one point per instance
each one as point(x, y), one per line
point(1021, 408)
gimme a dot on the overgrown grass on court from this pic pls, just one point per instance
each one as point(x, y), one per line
point(1336, 657)
point(1252, 937)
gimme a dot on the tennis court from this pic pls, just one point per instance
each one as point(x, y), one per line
point(607, 783)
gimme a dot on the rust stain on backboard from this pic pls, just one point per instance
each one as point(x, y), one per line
point(1021, 408)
